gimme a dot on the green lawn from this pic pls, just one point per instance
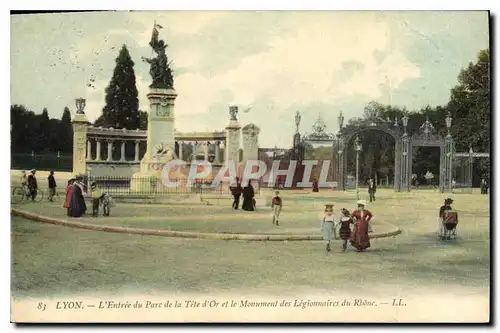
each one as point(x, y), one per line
point(53, 260)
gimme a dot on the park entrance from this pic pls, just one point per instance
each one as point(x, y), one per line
point(319, 145)
point(405, 144)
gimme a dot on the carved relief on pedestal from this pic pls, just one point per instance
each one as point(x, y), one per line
point(81, 155)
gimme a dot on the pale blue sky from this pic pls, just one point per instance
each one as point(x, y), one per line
point(278, 62)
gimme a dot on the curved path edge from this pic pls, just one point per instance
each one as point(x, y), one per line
point(182, 234)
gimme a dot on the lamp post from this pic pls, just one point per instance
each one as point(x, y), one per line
point(449, 154)
point(404, 178)
point(405, 122)
point(471, 163)
point(358, 150)
point(448, 123)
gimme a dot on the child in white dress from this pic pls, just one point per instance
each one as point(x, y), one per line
point(328, 226)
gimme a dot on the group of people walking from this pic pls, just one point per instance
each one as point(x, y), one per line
point(75, 200)
point(248, 194)
point(352, 227)
point(31, 183)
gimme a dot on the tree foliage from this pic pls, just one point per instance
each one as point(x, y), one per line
point(122, 103)
point(38, 133)
point(143, 120)
point(469, 107)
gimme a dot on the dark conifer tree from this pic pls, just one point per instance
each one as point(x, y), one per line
point(122, 104)
point(65, 133)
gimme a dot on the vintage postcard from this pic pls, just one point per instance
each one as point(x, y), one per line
point(243, 166)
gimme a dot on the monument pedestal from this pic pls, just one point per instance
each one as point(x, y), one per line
point(80, 125)
point(232, 141)
point(160, 141)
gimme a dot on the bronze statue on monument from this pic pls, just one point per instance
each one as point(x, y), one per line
point(160, 70)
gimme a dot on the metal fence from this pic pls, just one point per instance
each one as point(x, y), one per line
point(153, 186)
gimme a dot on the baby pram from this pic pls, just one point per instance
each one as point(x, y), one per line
point(448, 225)
point(106, 202)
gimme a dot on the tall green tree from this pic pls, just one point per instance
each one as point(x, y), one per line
point(470, 105)
point(471, 110)
point(22, 122)
point(44, 133)
point(122, 103)
point(143, 120)
point(45, 114)
point(65, 133)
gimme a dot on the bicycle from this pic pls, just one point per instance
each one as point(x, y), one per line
point(22, 192)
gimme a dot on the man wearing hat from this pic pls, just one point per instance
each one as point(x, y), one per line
point(32, 184)
point(359, 237)
point(52, 185)
point(328, 226)
point(372, 189)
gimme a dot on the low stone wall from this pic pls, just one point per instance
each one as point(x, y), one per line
point(184, 234)
point(103, 169)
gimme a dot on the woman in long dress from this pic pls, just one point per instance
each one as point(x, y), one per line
point(359, 237)
point(77, 204)
point(69, 187)
point(248, 197)
point(315, 185)
point(328, 226)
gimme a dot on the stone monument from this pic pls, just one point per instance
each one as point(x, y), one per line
point(161, 119)
point(80, 125)
point(233, 136)
point(250, 142)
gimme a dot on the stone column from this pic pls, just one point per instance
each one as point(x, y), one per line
point(89, 150)
point(217, 152)
point(80, 126)
point(136, 157)
point(110, 150)
point(205, 150)
point(122, 156)
point(98, 150)
point(195, 148)
point(180, 150)
point(232, 141)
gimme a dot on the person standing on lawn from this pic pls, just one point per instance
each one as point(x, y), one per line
point(276, 206)
point(32, 184)
point(52, 186)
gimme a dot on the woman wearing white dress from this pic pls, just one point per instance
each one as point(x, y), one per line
point(328, 226)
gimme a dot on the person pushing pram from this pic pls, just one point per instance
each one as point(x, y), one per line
point(100, 198)
point(448, 220)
